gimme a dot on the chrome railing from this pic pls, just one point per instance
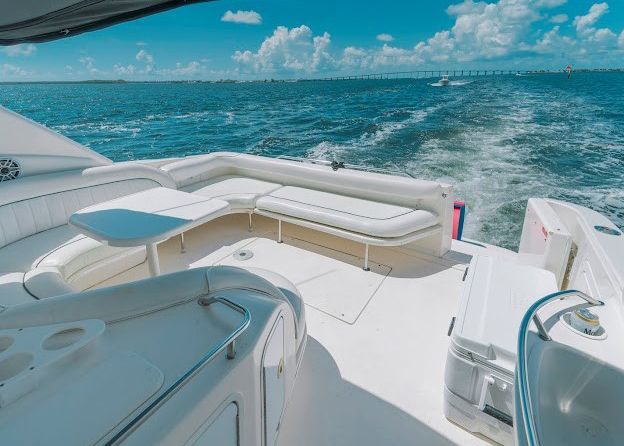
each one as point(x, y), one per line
point(228, 342)
point(523, 391)
point(342, 165)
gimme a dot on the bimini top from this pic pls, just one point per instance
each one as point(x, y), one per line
point(39, 21)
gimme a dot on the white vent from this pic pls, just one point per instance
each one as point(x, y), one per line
point(9, 169)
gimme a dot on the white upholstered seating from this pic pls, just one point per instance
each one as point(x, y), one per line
point(21, 219)
point(40, 254)
point(353, 214)
point(78, 261)
point(240, 192)
point(52, 258)
point(367, 207)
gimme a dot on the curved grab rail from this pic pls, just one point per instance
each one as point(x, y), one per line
point(228, 342)
point(526, 405)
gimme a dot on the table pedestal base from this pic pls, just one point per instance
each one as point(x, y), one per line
point(152, 259)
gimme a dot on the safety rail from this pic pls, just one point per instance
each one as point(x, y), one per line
point(523, 391)
point(229, 342)
point(341, 165)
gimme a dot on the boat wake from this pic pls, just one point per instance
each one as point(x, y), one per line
point(383, 131)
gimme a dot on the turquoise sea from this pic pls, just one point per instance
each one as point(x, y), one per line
point(499, 140)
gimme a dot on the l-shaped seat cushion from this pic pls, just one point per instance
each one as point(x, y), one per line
point(240, 192)
point(63, 247)
point(25, 254)
point(68, 252)
point(349, 213)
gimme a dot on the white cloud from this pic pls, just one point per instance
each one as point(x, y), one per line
point(245, 17)
point(491, 30)
point(141, 44)
point(355, 57)
point(553, 43)
point(147, 59)
point(590, 38)
point(294, 49)
point(559, 18)
point(23, 49)
point(124, 70)
point(603, 35)
point(482, 31)
point(584, 23)
point(549, 3)
point(193, 68)
point(385, 37)
point(9, 70)
point(144, 56)
point(89, 63)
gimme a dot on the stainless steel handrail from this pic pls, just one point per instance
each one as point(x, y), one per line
point(228, 342)
point(526, 405)
point(346, 165)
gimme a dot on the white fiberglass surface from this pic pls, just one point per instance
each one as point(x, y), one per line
point(579, 399)
point(374, 376)
point(331, 281)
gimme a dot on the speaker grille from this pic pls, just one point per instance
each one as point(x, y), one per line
point(9, 169)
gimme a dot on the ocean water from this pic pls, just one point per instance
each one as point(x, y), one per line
point(498, 140)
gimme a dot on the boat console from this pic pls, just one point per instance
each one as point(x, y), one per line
point(222, 344)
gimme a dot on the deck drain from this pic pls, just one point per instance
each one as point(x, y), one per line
point(243, 254)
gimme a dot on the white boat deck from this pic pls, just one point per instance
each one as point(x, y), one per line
point(373, 370)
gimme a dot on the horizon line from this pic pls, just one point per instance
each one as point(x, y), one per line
point(367, 76)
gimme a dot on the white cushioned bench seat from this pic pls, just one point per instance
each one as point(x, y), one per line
point(240, 192)
point(352, 214)
point(367, 207)
point(38, 245)
point(72, 255)
point(24, 254)
point(63, 247)
point(79, 253)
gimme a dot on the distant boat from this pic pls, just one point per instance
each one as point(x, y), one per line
point(444, 81)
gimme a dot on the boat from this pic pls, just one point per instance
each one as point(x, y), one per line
point(235, 299)
point(444, 81)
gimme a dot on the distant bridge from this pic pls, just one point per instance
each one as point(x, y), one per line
point(418, 74)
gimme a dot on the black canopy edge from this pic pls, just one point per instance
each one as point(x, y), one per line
point(99, 24)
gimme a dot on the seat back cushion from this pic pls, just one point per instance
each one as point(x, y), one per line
point(30, 216)
point(390, 189)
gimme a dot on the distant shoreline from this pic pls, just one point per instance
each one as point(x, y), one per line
point(346, 77)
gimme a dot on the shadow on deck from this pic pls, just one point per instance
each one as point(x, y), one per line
point(327, 410)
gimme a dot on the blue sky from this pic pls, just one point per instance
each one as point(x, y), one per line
point(292, 39)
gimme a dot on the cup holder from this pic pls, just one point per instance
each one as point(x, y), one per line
point(14, 365)
point(5, 342)
point(62, 339)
